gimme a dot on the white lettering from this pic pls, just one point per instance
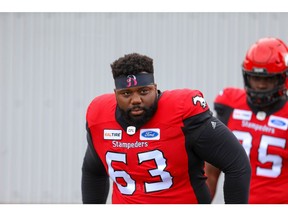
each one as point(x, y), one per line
point(258, 127)
point(137, 144)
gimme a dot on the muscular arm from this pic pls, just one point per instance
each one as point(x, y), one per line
point(216, 144)
point(213, 173)
point(95, 181)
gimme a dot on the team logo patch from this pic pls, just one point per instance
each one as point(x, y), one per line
point(150, 134)
point(112, 134)
point(242, 114)
point(131, 130)
point(131, 81)
point(278, 122)
point(201, 101)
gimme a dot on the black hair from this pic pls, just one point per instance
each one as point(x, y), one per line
point(132, 64)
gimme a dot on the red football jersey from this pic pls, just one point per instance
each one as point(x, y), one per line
point(150, 166)
point(265, 141)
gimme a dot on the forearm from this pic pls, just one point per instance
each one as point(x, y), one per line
point(95, 181)
point(236, 184)
point(94, 189)
point(238, 192)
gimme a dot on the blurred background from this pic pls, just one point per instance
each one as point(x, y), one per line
point(53, 64)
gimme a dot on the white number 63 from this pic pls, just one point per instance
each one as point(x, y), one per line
point(130, 187)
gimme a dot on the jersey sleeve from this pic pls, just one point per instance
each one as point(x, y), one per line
point(225, 102)
point(230, 96)
point(194, 103)
point(215, 143)
point(95, 181)
point(93, 115)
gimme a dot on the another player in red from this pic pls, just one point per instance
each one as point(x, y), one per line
point(153, 144)
point(258, 116)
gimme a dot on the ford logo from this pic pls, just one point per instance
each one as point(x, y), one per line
point(149, 134)
point(278, 122)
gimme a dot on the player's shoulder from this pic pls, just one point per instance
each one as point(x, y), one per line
point(104, 98)
point(230, 96)
point(100, 103)
point(182, 97)
point(179, 94)
point(232, 91)
point(186, 102)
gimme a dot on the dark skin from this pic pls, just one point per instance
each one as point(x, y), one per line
point(134, 100)
point(263, 84)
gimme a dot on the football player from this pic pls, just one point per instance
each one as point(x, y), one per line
point(258, 116)
point(153, 144)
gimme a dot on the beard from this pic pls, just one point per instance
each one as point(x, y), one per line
point(140, 120)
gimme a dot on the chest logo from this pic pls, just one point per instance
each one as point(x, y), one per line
point(131, 130)
point(242, 114)
point(112, 134)
point(278, 122)
point(150, 134)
